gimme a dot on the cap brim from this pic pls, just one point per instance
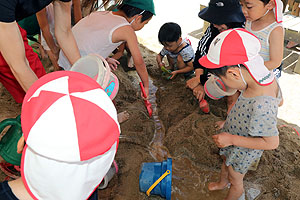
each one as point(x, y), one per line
point(205, 62)
point(259, 72)
point(210, 15)
point(46, 178)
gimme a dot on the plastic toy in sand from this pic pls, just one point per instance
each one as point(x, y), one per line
point(166, 72)
point(215, 88)
point(96, 67)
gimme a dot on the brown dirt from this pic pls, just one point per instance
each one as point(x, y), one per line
point(186, 138)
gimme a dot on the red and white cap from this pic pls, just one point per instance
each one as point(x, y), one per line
point(238, 46)
point(278, 10)
point(71, 131)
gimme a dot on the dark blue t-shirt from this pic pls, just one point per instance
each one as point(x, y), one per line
point(15, 10)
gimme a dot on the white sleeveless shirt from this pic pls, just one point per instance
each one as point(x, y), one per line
point(93, 34)
point(263, 35)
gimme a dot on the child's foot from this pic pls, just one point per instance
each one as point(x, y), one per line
point(130, 63)
point(217, 186)
point(204, 106)
point(123, 116)
point(291, 44)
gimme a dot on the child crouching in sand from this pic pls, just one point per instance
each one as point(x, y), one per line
point(179, 52)
point(250, 127)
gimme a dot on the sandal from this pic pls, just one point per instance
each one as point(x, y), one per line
point(292, 45)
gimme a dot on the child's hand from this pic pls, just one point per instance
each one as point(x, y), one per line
point(147, 93)
point(173, 73)
point(161, 64)
point(223, 139)
point(198, 92)
point(219, 124)
point(113, 63)
point(192, 83)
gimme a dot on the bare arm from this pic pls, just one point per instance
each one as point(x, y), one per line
point(184, 69)
point(265, 143)
point(195, 81)
point(12, 49)
point(44, 26)
point(77, 10)
point(127, 34)
point(63, 32)
point(120, 51)
point(276, 48)
point(159, 61)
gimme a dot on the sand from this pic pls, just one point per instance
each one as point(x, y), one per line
point(179, 130)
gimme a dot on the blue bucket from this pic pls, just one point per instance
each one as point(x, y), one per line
point(151, 172)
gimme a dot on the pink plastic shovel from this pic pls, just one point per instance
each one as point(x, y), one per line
point(146, 102)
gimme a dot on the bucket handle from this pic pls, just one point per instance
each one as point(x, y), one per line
point(107, 67)
point(157, 182)
point(9, 122)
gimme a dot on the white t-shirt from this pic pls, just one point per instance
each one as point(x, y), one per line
point(93, 34)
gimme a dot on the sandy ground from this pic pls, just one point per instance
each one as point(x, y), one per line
point(178, 129)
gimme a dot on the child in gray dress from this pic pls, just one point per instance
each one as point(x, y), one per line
point(250, 127)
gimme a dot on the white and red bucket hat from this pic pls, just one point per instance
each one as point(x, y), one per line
point(238, 46)
point(71, 131)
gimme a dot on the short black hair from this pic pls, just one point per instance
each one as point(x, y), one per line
point(235, 25)
point(265, 1)
point(130, 11)
point(222, 70)
point(169, 32)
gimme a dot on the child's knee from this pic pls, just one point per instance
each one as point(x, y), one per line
point(180, 62)
point(235, 178)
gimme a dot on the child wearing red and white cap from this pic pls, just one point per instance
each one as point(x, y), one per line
point(72, 133)
point(251, 125)
point(221, 15)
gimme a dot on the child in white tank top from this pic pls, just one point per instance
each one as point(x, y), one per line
point(264, 20)
point(101, 32)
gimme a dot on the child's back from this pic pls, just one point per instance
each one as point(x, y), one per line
point(93, 34)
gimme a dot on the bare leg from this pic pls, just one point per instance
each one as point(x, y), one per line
point(53, 60)
point(180, 62)
point(171, 63)
point(236, 188)
point(123, 116)
point(223, 182)
point(130, 61)
point(42, 51)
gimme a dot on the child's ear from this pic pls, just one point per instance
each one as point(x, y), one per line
point(271, 4)
point(233, 73)
point(179, 40)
